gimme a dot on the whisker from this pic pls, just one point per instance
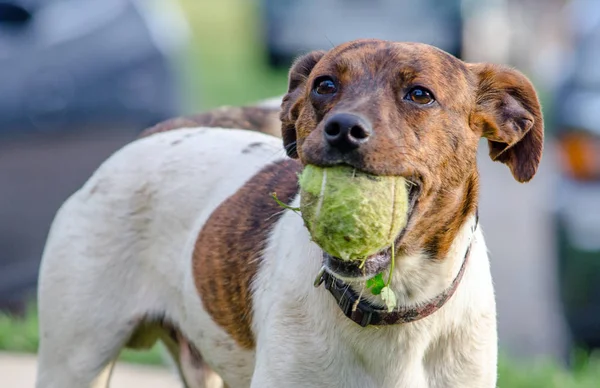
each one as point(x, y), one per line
point(330, 42)
point(345, 290)
point(276, 214)
point(290, 148)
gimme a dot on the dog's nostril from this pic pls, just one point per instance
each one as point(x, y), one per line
point(358, 132)
point(333, 129)
point(345, 131)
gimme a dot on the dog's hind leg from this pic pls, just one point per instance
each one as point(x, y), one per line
point(89, 302)
point(81, 332)
point(194, 369)
point(79, 353)
point(189, 364)
point(149, 332)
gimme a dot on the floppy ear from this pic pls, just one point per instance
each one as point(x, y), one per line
point(293, 100)
point(508, 114)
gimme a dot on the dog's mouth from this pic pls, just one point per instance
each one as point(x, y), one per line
point(357, 270)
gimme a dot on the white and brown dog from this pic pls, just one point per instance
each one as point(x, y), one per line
point(176, 236)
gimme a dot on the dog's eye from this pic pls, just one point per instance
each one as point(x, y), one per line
point(325, 85)
point(420, 96)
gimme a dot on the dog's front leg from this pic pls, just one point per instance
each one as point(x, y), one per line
point(467, 357)
point(300, 356)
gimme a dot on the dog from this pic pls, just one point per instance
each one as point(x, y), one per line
point(177, 238)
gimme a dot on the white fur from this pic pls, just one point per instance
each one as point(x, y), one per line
point(120, 249)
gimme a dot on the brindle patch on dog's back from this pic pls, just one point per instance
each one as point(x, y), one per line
point(228, 250)
point(253, 118)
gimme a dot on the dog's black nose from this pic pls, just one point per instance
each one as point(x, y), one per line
point(346, 131)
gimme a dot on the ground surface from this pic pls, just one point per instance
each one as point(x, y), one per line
point(18, 371)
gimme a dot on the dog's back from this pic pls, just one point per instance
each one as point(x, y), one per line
point(128, 206)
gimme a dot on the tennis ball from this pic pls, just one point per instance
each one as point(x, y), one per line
point(351, 214)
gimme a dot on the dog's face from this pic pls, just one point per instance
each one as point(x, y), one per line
point(412, 110)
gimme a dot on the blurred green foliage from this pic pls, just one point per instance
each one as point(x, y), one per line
point(227, 63)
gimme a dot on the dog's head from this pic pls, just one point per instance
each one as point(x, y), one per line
point(412, 110)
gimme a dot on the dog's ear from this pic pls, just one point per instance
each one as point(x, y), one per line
point(508, 114)
point(293, 100)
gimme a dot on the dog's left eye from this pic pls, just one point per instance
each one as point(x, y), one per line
point(325, 85)
point(420, 96)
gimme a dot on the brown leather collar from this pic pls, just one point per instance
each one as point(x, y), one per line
point(365, 314)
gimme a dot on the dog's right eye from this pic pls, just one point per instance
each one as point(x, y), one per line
point(325, 85)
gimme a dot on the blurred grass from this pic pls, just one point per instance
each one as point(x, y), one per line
point(21, 335)
point(227, 63)
point(226, 66)
point(584, 373)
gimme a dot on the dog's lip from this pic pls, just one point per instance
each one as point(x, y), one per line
point(376, 263)
point(350, 271)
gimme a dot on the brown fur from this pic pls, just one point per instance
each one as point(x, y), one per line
point(433, 145)
point(253, 118)
point(228, 249)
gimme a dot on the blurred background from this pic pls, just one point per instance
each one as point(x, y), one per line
point(81, 78)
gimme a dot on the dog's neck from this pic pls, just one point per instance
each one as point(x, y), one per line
point(417, 280)
point(364, 313)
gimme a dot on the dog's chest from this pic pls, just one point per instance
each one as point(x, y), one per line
point(335, 353)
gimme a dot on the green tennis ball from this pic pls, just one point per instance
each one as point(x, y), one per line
point(351, 214)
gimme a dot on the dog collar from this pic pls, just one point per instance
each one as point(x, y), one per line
point(364, 314)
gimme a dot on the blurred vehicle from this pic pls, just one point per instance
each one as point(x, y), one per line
point(295, 27)
point(578, 211)
point(67, 62)
point(79, 79)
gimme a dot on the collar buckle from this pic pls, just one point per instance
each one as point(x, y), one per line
point(320, 277)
